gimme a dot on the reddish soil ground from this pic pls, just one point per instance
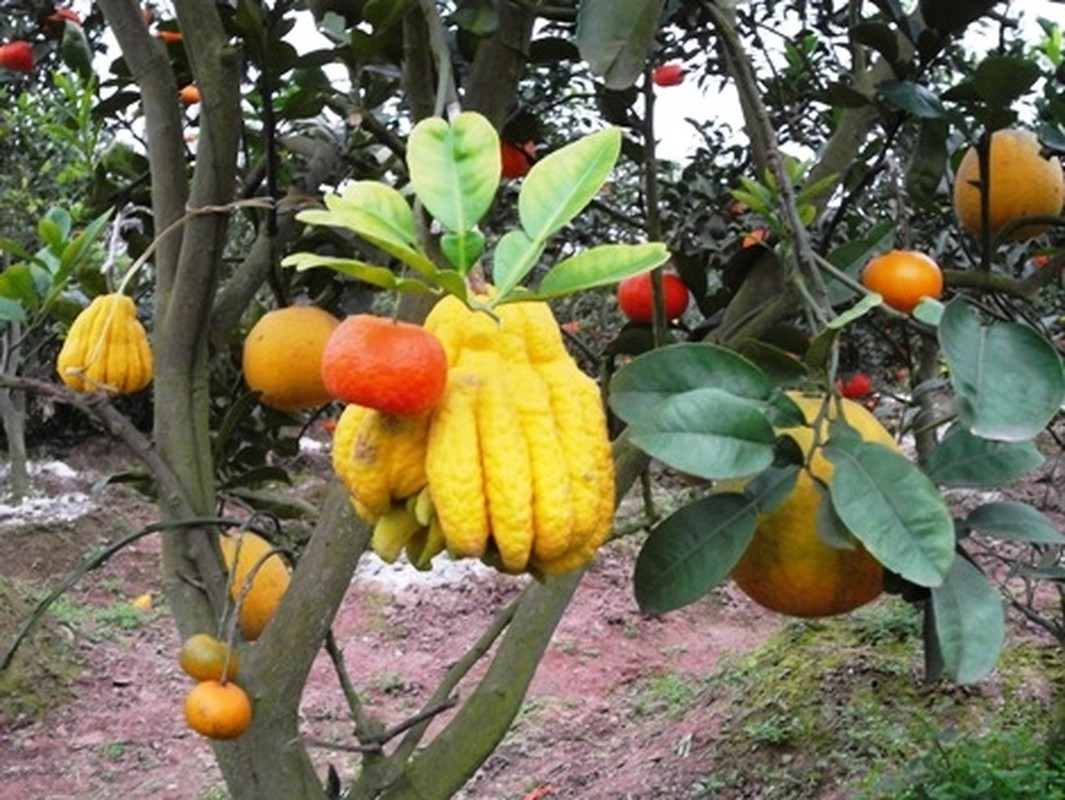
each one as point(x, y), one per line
point(599, 721)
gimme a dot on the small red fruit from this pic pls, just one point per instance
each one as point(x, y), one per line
point(856, 387)
point(17, 56)
point(637, 301)
point(517, 161)
point(755, 237)
point(671, 74)
point(189, 94)
point(62, 15)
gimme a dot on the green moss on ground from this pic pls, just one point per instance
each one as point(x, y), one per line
point(45, 665)
point(839, 707)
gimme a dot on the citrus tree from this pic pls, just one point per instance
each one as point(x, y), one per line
point(464, 174)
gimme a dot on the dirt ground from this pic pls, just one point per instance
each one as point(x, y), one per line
point(605, 717)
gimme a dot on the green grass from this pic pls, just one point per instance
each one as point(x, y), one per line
point(841, 704)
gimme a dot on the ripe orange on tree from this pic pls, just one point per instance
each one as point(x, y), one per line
point(218, 710)
point(387, 365)
point(787, 567)
point(516, 160)
point(204, 658)
point(268, 586)
point(283, 357)
point(903, 278)
point(636, 301)
point(1022, 184)
point(671, 74)
point(189, 94)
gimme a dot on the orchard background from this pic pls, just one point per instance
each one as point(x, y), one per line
point(181, 154)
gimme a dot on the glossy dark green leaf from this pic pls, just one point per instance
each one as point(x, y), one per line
point(772, 486)
point(1008, 380)
point(880, 36)
point(1000, 80)
point(912, 98)
point(893, 509)
point(615, 37)
point(638, 388)
point(928, 162)
point(781, 367)
point(1009, 519)
point(692, 551)
point(962, 459)
point(707, 433)
point(970, 623)
point(455, 168)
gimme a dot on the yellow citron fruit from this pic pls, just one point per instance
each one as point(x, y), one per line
point(513, 466)
point(106, 348)
point(787, 567)
point(282, 357)
point(1022, 184)
point(518, 460)
point(267, 587)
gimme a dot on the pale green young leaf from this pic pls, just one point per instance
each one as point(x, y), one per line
point(601, 266)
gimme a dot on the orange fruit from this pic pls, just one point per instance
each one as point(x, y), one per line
point(189, 95)
point(203, 657)
point(282, 357)
point(903, 278)
point(636, 300)
point(787, 567)
point(218, 710)
point(267, 587)
point(1022, 184)
point(390, 366)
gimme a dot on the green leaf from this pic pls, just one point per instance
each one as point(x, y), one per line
point(615, 37)
point(692, 551)
point(560, 185)
point(1008, 380)
point(1000, 80)
point(637, 389)
point(379, 214)
point(781, 367)
point(11, 310)
point(359, 270)
point(17, 284)
point(514, 257)
point(707, 433)
point(962, 459)
point(455, 168)
point(1008, 519)
point(970, 624)
point(912, 98)
point(893, 509)
point(771, 487)
point(601, 266)
point(820, 350)
point(462, 249)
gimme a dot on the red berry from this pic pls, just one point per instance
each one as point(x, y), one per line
point(17, 56)
point(517, 161)
point(637, 301)
point(856, 387)
point(668, 75)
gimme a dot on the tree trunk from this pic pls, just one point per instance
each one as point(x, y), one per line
point(13, 414)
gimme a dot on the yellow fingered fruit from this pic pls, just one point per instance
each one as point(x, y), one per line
point(513, 465)
point(106, 348)
point(532, 424)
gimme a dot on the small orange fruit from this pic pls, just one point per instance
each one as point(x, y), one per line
point(189, 94)
point(283, 357)
point(203, 657)
point(636, 300)
point(267, 587)
point(390, 366)
point(218, 710)
point(1022, 184)
point(903, 278)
